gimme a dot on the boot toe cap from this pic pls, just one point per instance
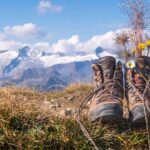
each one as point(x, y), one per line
point(110, 112)
point(137, 115)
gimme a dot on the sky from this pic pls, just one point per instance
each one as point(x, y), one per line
point(51, 23)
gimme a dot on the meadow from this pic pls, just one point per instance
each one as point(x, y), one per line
point(27, 124)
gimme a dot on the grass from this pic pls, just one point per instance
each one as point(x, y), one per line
point(26, 124)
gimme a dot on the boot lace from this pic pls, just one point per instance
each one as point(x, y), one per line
point(110, 90)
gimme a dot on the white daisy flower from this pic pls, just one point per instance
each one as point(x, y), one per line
point(130, 64)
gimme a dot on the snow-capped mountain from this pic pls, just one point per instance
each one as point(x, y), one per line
point(46, 70)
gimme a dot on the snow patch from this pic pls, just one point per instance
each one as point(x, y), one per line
point(52, 60)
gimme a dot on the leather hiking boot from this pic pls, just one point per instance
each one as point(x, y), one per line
point(106, 104)
point(136, 83)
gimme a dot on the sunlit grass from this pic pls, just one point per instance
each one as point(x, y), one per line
point(24, 125)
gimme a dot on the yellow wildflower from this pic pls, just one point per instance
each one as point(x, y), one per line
point(148, 43)
point(141, 46)
point(133, 50)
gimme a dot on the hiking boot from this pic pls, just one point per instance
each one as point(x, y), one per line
point(96, 75)
point(106, 104)
point(136, 82)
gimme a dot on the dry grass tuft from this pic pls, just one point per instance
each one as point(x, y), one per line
point(26, 123)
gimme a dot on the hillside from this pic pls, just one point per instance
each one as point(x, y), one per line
point(46, 121)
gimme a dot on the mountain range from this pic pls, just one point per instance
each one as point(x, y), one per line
point(46, 71)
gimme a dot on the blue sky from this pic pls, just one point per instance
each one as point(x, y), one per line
point(59, 25)
point(83, 17)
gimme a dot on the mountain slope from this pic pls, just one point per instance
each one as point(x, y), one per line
point(47, 71)
point(55, 76)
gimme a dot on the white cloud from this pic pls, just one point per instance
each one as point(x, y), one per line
point(10, 45)
point(106, 41)
point(42, 46)
point(46, 5)
point(7, 44)
point(28, 30)
point(68, 46)
point(55, 59)
point(73, 44)
point(3, 36)
point(74, 40)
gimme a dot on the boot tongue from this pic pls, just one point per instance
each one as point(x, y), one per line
point(141, 72)
point(107, 65)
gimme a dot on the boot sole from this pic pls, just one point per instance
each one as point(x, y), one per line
point(107, 113)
